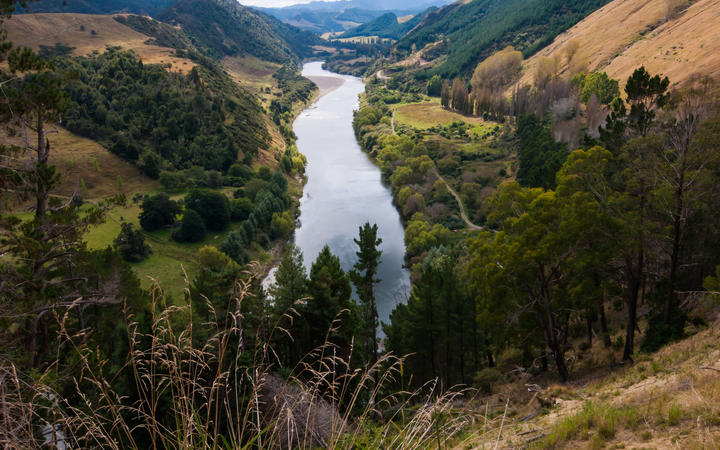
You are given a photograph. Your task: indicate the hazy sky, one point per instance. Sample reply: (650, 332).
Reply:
(274, 3)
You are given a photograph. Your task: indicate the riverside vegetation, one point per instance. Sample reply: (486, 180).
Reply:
(560, 234)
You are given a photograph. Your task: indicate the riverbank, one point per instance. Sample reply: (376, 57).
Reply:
(325, 84)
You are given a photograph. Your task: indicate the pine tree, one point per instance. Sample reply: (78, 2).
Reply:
(364, 277)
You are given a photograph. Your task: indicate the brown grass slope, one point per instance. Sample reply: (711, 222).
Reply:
(678, 40)
(76, 30)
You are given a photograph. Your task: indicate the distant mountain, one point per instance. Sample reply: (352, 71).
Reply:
(388, 26)
(226, 28)
(144, 7)
(468, 32)
(333, 16)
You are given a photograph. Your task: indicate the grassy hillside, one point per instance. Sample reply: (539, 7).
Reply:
(225, 28)
(87, 33)
(471, 31)
(678, 42)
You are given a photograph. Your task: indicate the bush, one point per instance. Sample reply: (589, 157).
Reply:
(213, 207)
(130, 244)
(659, 333)
(192, 228)
(234, 247)
(157, 212)
(486, 378)
(510, 359)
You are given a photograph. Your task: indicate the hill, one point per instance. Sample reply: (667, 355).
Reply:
(329, 17)
(388, 26)
(145, 7)
(677, 43)
(83, 34)
(225, 28)
(468, 32)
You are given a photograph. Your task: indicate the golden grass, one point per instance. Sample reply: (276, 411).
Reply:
(429, 114)
(83, 161)
(626, 34)
(34, 30)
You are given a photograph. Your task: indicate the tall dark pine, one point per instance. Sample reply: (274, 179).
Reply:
(364, 276)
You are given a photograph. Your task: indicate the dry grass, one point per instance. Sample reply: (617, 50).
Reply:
(34, 30)
(83, 161)
(626, 34)
(186, 389)
(427, 115)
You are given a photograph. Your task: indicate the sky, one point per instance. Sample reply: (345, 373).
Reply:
(274, 3)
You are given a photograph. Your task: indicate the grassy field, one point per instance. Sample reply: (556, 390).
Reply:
(430, 113)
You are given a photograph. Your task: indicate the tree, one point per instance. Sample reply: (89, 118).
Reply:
(329, 290)
(212, 206)
(460, 100)
(33, 102)
(540, 156)
(364, 277)
(599, 84)
(497, 71)
(445, 95)
(645, 94)
(158, 211)
(130, 244)
(192, 228)
(288, 290)
(434, 86)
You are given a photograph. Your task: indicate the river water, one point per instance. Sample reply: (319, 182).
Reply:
(344, 190)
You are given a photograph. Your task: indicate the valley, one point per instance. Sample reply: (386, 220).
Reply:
(360, 224)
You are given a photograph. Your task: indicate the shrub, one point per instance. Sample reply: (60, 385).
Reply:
(192, 228)
(234, 247)
(130, 244)
(486, 378)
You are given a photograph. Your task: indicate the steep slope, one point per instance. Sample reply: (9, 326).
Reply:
(388, 26)
(145, 7)
(643, 32)
(225, 28)
(472, 30)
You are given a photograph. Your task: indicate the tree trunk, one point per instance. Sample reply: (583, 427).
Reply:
(589, 323)
(603, 321)
(41, 193)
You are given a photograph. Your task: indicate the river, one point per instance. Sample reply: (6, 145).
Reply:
(344, 190)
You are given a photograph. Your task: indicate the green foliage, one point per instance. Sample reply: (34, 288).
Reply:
(213, 207)
(437, 327)
(604, 88)
(329, 290)
(130, 244)
(192, 228)
(158, 211)
(539, 155)
(135, 109)
(240, 209)
(364, 277)
(434, 86)
(486, 378)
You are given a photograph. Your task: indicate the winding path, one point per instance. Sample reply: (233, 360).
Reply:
(463, 215)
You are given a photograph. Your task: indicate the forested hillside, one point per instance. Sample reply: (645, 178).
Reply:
(388, 26)
(225, 28)
(471, 31)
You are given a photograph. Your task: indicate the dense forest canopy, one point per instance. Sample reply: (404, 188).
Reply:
(159, 119)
